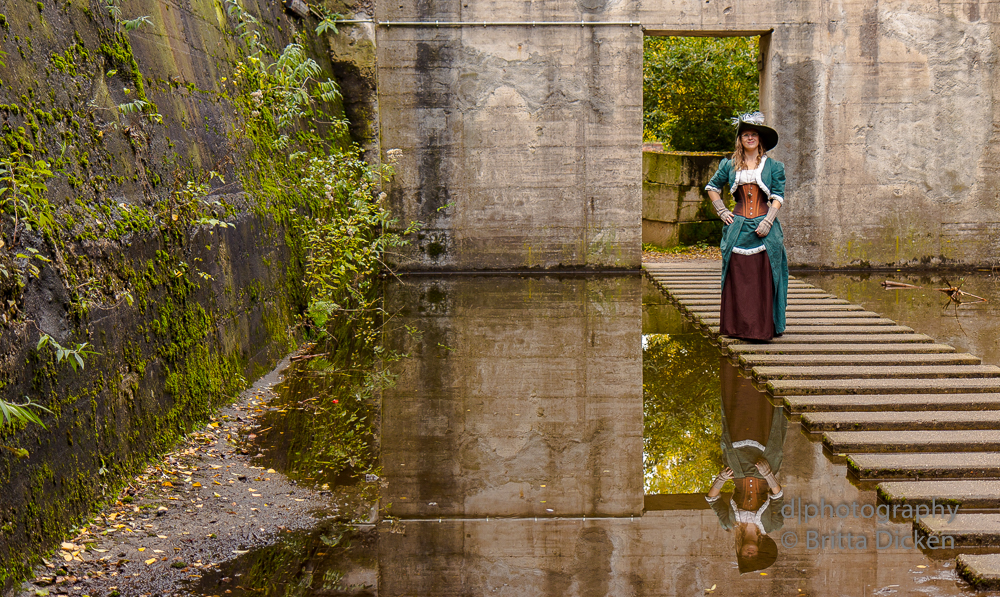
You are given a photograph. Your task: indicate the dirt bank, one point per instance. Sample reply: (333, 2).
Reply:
(201, 505)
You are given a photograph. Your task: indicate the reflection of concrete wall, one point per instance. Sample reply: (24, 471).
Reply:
(675, 205)
(522, 396)
(886, 112)
(676, 553)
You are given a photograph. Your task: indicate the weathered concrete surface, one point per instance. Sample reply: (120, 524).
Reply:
(896, 402)
(845, 349)
(980, 571)
(522, 397)
(900, 421)
(874, 371)
(520, 144)
(836, 339)
(675, 206)
(797, 332)
(954, 465)
(968, 494)
(983, 440)
(878, 105)
(884, 386)
(799, 360)
(966, 530)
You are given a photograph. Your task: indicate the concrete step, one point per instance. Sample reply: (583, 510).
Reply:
(844, 442)
(874, 372)
(954, 465)
(798, 303)
(965, 530)
(843, 311)
(835, 348)
(968, 494)
(801, 387)
(892, 402)
(982, 571)
(818, 360)
(900, 421)
(801, 333)
(821, 323)
(805, 293)
(835, 339)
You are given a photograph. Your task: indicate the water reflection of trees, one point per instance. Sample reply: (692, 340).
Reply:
(682, 425)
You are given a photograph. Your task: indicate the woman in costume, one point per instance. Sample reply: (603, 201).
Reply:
(754, 263)
(753, 435)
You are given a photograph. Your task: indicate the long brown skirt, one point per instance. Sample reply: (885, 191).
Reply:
(747, 309)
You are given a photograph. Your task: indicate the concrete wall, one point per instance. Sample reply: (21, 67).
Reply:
(676, 208)
(886, 111)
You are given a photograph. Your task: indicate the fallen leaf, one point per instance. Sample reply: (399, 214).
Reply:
(142, 549)
(161, 537)
(196, 484)
(271, 470)
(168, 484)
(157, 551)
(150, 561)
(68, 546)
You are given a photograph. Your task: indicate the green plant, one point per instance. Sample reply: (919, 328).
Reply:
(21, 412)
(22, 194)
(74, 356)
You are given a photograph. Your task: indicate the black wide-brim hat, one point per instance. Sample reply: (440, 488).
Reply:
(755, 122)
(767, 553)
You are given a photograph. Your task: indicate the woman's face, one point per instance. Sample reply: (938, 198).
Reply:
(750, 139)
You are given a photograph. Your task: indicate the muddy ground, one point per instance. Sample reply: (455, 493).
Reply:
(182, 527)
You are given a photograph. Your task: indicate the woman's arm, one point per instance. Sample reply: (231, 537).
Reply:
(720, 480)
(720, 207)
(714, 188)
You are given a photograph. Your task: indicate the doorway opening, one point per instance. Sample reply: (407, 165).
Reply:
(693, 85)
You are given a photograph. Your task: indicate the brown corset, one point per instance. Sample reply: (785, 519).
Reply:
(750, 493)
(751, 201)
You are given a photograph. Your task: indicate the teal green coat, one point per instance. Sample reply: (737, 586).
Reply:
(772, 179)
(772, 182)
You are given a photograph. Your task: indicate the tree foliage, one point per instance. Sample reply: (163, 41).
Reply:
(682, 421)
(692, 86)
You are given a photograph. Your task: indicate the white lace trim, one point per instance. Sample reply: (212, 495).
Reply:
(713, 188)
(748, 252)
(751, 176)
(778, 198)
(743, 443)
(745, 516)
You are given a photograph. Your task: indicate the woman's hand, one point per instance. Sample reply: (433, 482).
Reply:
(763, 467)
(726, 474)
(763, 228)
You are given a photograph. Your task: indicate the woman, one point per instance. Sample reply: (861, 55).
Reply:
(754, 263)
(753, 437)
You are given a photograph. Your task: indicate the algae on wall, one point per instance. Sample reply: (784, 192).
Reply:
(167, 229)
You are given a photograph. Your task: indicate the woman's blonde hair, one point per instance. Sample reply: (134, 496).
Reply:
(740, 157)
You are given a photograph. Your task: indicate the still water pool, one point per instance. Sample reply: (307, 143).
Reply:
(557, 435)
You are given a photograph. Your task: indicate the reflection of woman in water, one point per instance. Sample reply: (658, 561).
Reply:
(753, 433)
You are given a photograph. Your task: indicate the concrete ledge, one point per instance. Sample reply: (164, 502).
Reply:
(884, 386)
(893, 402)
(838, 348)
(859, 359)
(966, 530)
(980, 571)
(835, 339)
(900, 421)
(953, 465)
(843, 442)
(894, 371)
(967, 494)
(828, 330)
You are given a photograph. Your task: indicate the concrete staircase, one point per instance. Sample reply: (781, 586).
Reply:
(918, 416)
